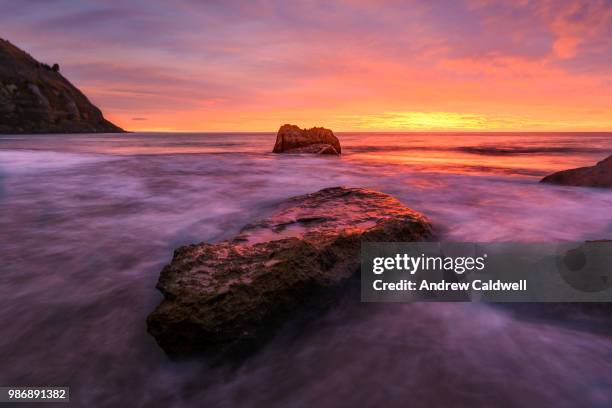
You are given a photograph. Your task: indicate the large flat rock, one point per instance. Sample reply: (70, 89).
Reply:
(599, 175)
(230, 296)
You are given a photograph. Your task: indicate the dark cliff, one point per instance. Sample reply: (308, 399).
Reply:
(36, 98)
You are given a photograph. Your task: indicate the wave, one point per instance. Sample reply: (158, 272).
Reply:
(480, 150)
(503, 151)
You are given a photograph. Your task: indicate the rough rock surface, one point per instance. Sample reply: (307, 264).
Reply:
(36, 98)
(228, 297)
(599, 175)
(292, 139)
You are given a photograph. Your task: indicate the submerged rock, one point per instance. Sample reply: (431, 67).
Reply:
(36, 98)
(292, 139)
(227, 298)
(599, 175)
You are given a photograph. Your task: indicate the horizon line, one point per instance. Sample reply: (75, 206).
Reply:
(371, 131)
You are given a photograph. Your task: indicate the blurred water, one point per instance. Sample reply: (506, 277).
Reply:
(87, 222)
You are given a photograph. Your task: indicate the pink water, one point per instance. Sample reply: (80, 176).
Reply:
(87, 222)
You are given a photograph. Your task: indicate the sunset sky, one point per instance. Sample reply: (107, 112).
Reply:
(348, 65)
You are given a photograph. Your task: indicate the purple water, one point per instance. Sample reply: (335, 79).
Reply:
(87, 222)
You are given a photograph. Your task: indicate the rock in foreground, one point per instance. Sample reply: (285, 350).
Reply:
(227, 298)
(599, 175)
(318, 140)
(36, 98)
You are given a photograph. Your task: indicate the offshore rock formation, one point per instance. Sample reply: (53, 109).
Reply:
(318, 140)
(228, 298)
(36, 98)
(599, 175)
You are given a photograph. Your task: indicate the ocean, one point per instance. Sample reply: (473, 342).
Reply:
(88, 221)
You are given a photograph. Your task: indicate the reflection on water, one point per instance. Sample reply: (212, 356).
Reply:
(88, 221)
